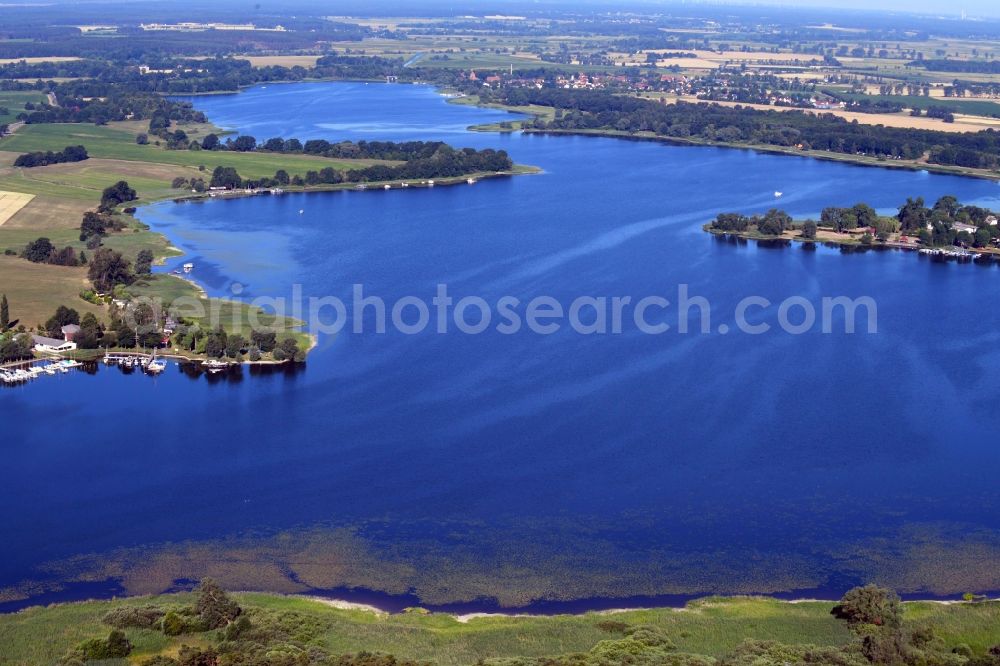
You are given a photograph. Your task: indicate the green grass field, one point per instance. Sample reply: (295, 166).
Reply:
(14, 102)
(117, 143)
(710, 627)
(36, 290)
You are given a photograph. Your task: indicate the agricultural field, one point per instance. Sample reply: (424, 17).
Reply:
(50, 201)
(965, 105)
(11, 203)
(307, 61)
(36, 290)
(14, 101)
(961, 124)
(33, 61)
(117, 141)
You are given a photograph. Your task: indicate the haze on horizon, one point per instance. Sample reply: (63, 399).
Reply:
(972, 8)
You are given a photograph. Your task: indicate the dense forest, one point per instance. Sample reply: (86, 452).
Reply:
(120, 104)
(594, 110)
(964, 66)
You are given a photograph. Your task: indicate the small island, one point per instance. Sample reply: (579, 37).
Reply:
(947, 229)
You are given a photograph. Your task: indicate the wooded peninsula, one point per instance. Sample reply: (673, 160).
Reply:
(948, 227)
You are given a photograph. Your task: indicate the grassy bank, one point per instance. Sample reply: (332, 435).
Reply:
(711, 627)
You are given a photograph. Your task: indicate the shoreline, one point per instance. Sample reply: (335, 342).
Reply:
(370, 186)
(861, 161)
(975, 256)
(465, 618)
(464, 613)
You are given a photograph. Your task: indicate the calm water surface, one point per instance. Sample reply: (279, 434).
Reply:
(825, 459)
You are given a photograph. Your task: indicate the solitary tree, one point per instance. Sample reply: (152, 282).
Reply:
(214, 605)
(872, 605)
(39, 250)
(93, 225)
(4, 314)
(144, 262)
(116, 194)
(210, 142)
(63, 317)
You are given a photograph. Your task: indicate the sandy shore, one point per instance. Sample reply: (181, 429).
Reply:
(465, 618)
(341, 604)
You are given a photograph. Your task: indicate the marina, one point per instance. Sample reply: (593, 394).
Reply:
(19, 375)
(958, 253)
(146, 362)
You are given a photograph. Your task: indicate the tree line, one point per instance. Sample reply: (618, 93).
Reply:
(81, 102)
(441, 161)
(963, 66)
(946, 223)
(355, 150)
(40, 158)
(597, 110)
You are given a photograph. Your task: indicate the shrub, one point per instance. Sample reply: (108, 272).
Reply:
(613, 626)
(870, 604)
(214, 605)
(160, 660)
(115, 646)
(962, 650)
(175, 623)
(809, 229)
(767, 653)
(143, 617)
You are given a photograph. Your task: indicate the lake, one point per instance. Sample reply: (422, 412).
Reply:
(531, 469)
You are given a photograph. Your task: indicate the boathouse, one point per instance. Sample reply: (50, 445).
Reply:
(51, 345)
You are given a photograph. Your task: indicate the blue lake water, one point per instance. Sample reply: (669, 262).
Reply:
(634, 464)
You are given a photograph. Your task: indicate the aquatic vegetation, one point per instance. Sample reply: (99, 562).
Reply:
(517, 565)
